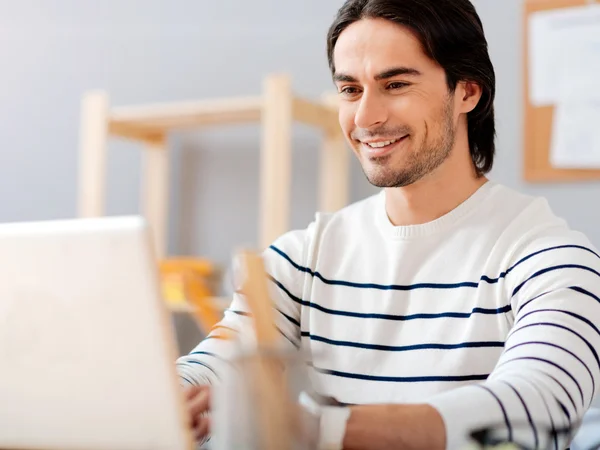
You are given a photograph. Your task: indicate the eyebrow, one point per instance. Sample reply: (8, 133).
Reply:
(389, 73)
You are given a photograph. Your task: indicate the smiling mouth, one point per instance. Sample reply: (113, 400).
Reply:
(383, 143)
(382, 148)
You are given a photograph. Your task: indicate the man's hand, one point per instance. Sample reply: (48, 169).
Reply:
(198, 403)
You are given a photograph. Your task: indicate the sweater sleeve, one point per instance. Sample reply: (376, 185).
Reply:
(204, 363)
(549, 371)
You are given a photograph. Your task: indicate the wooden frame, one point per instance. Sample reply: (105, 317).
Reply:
(273, 408)
(538, 121)
(276, 110)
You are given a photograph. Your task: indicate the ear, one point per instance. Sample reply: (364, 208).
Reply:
(470, 94)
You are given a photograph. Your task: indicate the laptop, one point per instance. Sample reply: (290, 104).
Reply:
(87, 349)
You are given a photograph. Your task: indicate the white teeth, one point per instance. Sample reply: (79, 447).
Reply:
(381, 144)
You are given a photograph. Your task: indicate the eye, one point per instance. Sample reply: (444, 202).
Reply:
(349, 90)
(396, 85)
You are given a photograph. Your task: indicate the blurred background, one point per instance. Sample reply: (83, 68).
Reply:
(157, 51)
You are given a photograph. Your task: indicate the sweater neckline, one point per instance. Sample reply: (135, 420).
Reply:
(435, 226)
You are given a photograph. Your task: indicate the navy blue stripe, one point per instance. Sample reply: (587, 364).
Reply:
(590, 346)
(291, 319)
(569, 313)
(186, 379)
(209, 354)
(565, 350)
(288, 293)
(549, 324)
(383, 287)
(245, 314)
(471, 284)
(239, 313)
(491, 280)
(396, 287)
(551, 269)
(296, 266)
(549, 249)
(422, 379)
(534, 358)
(200, 364)
(389, 348)
(583, 291)
(534, 298)
(535, 433)
(289, 339)
(458, 315)
(563, 407)
(573, 288)
(506, 421)
(552, 425)
(205, 353)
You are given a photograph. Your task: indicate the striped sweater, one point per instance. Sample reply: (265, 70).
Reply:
(490, 313)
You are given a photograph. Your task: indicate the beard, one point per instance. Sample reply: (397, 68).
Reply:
(424, 159)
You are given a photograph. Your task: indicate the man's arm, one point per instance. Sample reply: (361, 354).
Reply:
(382, 427)
(203, 364)
(546, 378)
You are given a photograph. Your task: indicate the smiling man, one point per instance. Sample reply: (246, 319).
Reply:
(446, 303)
(384, 108)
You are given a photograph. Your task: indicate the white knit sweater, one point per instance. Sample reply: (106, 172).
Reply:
(490, 313)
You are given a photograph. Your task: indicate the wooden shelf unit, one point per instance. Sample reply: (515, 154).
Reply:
(275, 110)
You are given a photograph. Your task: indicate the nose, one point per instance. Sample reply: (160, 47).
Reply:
(371, 111)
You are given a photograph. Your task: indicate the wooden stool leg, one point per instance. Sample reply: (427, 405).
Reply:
(92, 154)
(334, 173)
(276, 159)
(334, 170)
(155, 192)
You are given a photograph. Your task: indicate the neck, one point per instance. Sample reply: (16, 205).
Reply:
(436, 194)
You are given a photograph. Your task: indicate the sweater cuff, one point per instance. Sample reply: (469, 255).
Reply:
(463, 411)
(333, 427)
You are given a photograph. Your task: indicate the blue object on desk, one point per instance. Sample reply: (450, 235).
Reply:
(589, 433)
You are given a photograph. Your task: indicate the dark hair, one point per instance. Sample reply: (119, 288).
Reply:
(451, 34)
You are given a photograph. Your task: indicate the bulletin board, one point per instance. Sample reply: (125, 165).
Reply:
(538, 120)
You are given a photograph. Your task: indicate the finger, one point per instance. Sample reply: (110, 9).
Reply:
(192, 391)
(199, 404)
(203, 428)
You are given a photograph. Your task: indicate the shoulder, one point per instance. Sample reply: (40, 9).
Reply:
(529, 221)
(545, 253)
(297, 245)
(520, 211)
(536, 227)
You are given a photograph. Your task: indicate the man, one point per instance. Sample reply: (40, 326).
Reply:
(446, 303)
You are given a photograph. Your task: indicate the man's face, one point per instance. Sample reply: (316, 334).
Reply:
(395, 107)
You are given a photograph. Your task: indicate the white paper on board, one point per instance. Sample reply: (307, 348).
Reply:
(555, 37)
(575, 140)
(576, 136)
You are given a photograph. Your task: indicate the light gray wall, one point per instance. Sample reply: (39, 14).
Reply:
(154, 50)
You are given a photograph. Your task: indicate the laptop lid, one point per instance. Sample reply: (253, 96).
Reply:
(87, 351)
